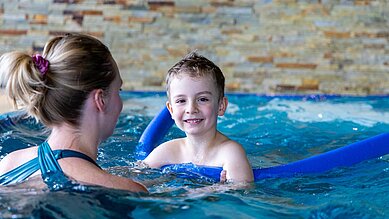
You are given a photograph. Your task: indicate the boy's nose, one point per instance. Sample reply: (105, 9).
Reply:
(192, 108)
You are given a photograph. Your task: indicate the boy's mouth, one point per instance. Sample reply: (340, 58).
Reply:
(193, 121)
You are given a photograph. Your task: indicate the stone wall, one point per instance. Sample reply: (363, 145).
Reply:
(262, 46)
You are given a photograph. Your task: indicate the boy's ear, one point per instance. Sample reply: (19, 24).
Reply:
(222, 106)
(99, 99)
(169, 107)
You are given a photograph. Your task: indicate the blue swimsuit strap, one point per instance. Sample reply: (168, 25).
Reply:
(20, 173)
(59, 154)
(47, 161)
(25, 170)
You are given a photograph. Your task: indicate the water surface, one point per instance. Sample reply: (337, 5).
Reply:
(273, 131)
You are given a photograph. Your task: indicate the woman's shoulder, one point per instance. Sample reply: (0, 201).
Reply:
(85, 172)
(117, 182)
(128, 184)
(17, 158)
(30, 151)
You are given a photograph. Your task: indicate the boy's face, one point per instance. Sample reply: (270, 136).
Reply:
(194, 104)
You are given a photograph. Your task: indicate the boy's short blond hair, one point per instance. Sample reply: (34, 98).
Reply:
(195, 66)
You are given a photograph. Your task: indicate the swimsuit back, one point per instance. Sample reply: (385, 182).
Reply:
(46, 162)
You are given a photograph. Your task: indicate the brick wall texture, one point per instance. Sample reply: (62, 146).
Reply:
(262, 46)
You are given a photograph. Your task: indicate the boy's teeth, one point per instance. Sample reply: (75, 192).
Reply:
(193, 120)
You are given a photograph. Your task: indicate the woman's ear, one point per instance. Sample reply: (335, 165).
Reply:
(222, 106)
(99, 101)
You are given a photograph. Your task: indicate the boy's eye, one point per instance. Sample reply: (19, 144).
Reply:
(180, 101)
(203, 99)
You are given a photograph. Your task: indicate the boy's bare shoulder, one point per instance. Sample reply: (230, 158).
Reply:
(231, 148)
(229, 144)
(172, 145)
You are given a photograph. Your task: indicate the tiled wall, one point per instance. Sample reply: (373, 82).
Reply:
(262, 46)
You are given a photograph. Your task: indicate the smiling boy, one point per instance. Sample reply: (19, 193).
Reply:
(195, 89)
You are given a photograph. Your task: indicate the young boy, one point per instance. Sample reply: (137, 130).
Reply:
(195, 89)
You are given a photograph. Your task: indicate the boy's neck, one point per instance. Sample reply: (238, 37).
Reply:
(202, 143)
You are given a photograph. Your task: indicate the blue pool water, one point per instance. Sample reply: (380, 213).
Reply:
(273, 130)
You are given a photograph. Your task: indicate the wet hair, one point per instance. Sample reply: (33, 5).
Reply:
(195, 66)
(78, 64)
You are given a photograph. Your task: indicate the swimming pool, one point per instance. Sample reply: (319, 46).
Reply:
(273, 130)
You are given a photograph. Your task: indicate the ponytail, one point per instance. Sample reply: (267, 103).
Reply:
(53, 87)
(23, 82)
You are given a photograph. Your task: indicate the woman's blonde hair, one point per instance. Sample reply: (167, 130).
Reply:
(78, 64)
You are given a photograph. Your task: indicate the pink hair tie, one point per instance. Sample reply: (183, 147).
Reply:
(41, 63)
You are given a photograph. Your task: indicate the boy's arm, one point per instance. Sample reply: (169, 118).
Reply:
(153, 160)
(237, 165)
(161, 155)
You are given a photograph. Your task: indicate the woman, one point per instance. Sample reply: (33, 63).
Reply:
(73, 89)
